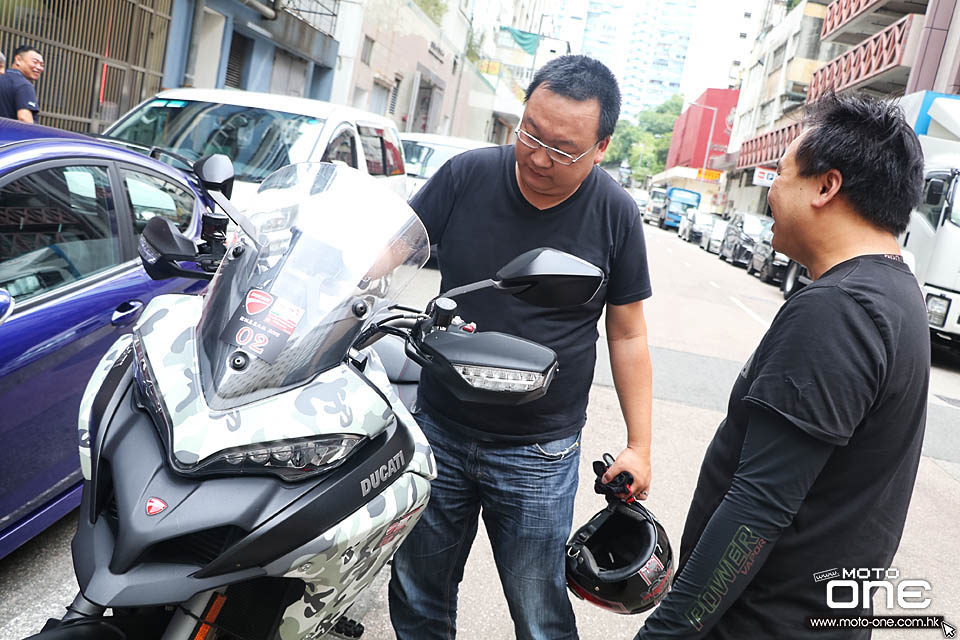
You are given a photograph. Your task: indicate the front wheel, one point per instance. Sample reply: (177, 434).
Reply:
(791, 280)
(766, 274)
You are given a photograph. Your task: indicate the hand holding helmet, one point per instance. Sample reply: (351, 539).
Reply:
(621, 560)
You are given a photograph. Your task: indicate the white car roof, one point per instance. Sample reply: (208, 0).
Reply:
(275, 102)
(450, 141)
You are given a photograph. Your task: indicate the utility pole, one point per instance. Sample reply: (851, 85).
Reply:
(706, 156)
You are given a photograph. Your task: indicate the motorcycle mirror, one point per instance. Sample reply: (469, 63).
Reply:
(215, 173)
(6, 305)
(161, 245)
(543, 277)
(550, 278)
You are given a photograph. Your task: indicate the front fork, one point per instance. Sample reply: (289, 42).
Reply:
(194, 618)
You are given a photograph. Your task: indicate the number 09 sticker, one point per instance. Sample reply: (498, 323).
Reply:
(262, 324)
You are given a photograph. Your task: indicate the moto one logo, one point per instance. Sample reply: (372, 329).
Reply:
(384, 473)
(853, 591)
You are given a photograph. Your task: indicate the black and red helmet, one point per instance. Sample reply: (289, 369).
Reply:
(621, 560)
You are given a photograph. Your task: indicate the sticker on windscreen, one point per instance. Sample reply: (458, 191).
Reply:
(262, 324)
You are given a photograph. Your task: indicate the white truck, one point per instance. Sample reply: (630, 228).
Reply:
(932, 238)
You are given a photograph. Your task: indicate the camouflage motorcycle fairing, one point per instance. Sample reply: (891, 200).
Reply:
(90, 393)
(338, 401)
(423, 461)
(342, 562)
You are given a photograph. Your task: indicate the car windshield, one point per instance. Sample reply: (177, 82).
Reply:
(704, 218)
(423, 159)
(293, 305)
(658, 196)
(754, 225)
(258, 141)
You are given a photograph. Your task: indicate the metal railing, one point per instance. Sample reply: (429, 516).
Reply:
(840, 12)
(101, 56)
(767, 148)
(872, 57)
(320, 14)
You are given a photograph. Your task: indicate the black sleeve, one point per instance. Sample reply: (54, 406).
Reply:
(778, 465)
(26, 97)
(629, 276)
(822, 364)
(434, 202)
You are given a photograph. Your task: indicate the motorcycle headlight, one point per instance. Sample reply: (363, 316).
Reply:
(937, 307)
(293, 459)
(496, 379)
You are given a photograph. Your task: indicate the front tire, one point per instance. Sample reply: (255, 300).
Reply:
(766, 274)
(791, 280)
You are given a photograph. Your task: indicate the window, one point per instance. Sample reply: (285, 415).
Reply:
(747, 14)
(381, 150)
(367, 51)
(743, 36)
(343, 147)
(56, 226)
(932, 211)
(393, 96)
(379, 96)
(777, 59)
(150, 196)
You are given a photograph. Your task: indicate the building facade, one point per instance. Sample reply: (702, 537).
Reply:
(287, 48)
(777, 75)
(701, 132)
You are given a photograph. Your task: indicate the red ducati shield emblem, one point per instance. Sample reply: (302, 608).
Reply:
(155, 506)
(257, 301)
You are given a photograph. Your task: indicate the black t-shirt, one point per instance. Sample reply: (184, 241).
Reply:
(16, 92)
(847, 361)
(475, 213)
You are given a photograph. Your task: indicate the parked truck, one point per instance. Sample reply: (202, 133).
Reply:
(677, 202)
(931, 243)
(932, 238)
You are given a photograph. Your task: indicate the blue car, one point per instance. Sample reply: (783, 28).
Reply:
(71, 208)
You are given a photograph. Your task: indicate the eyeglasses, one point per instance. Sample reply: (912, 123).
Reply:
(555, 155)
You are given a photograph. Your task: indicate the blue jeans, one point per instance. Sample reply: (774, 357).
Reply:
(526, 495)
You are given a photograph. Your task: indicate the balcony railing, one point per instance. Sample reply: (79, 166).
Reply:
(852, 21)
(319, 14)
(881, 63)
(767, 148)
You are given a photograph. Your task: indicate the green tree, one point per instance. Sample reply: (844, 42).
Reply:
(624, 136)
(435, 9)
(645, 144)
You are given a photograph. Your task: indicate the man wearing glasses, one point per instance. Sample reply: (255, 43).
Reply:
(518, 465)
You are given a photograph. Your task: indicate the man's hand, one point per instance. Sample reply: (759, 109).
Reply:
(636, 461)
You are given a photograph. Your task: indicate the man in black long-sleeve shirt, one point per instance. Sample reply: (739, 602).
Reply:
(813, 467)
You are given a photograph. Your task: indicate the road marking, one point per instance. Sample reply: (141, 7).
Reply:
(746, 310)
(933, 399)
(714, 284)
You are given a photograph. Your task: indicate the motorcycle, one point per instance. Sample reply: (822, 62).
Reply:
(248, 465)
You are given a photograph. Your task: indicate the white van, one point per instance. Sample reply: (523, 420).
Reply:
(261, 132)
(424, 153)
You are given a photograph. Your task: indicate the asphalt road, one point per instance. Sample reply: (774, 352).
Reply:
(704, 320)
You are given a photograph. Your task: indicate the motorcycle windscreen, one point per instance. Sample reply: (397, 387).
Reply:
(334, 247)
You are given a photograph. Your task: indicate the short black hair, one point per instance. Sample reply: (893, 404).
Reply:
(581, 78)
(24, 48)
(878, 154)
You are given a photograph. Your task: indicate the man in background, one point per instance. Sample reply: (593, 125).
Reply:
(18, 97)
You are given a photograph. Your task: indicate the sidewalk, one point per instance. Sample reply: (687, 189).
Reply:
(681, 434)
